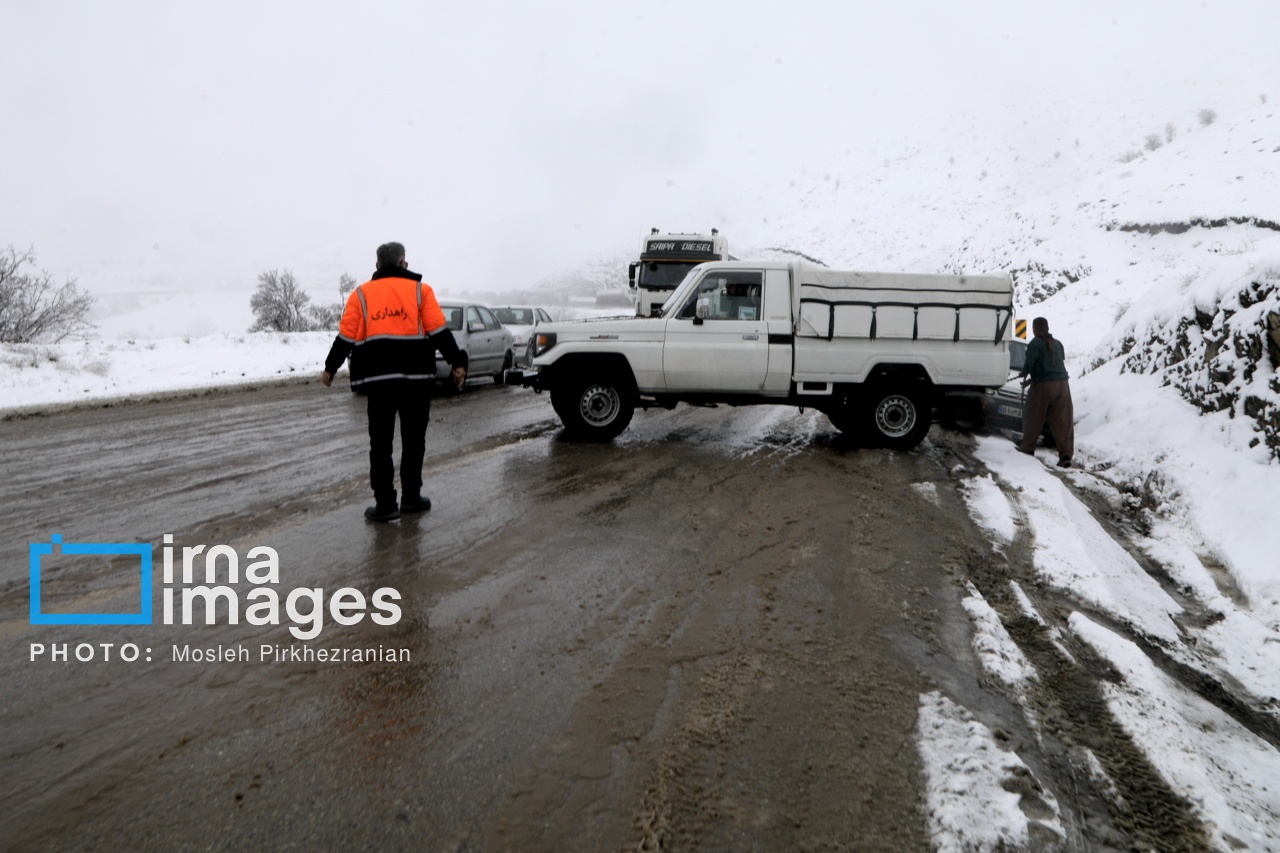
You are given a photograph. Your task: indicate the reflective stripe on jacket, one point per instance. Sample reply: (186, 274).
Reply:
(391, 327)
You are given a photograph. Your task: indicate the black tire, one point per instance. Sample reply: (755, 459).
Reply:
(507, 362)
(847, 419)
(898, 418)
(561, 403)
(596, 407)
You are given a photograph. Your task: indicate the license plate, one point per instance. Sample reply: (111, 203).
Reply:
(1011, 411)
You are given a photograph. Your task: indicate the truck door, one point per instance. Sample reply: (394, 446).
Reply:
(729, 349)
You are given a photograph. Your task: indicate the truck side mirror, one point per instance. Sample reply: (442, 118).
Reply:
(631, 275)
(701, 310)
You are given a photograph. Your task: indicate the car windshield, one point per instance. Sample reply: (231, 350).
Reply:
(656, 276)
(452, 317)
(1017, 355)
(515, 316)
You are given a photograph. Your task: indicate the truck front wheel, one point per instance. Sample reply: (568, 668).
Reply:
(899, 419)
(594, 408)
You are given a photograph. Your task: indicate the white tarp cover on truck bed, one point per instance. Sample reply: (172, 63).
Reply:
(834, 304)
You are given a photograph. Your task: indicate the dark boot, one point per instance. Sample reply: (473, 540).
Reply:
(382, 512)
(415, 503)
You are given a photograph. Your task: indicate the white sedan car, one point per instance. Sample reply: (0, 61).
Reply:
(481, 337)
(522, 320)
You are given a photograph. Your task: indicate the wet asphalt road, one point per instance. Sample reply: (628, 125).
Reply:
(709, 634)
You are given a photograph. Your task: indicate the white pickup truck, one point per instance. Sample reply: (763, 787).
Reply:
(877, 352)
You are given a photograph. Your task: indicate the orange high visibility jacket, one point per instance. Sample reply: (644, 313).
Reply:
(391, 328)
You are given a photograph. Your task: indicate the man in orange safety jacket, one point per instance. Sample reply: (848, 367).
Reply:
(391, 329)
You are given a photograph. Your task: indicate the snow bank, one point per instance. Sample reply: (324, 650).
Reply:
(1179, 463)
(1225, 772)
(990, 508)
(78, 372)
(1074, 553)
(971, 785)
(999, 654)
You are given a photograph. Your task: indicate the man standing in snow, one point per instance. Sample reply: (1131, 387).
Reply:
(391, 328)
(1049, 397)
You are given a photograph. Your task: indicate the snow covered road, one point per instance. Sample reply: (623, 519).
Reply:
(729, 628)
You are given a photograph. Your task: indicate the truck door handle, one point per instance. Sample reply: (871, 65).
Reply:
(751, 337)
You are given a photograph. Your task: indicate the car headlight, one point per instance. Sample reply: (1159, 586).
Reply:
(542, 342)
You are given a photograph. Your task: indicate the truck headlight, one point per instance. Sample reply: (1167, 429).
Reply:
(542, 342)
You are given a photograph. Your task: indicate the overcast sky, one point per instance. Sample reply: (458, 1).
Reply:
(192, 145)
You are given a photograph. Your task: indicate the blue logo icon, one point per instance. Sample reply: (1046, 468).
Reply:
(100, 548)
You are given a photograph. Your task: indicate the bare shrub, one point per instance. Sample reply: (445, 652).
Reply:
(1207, 117)
(32, 308)
(1129, 156)
(98, 367)
(1153, 142)
(1247, 246)
(330, 316)
(1170, 131)
(279, 304)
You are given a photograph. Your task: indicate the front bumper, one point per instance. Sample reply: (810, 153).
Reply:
(1003, 410)
(524, 378)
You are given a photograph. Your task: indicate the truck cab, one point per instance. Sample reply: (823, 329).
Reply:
(665, 259)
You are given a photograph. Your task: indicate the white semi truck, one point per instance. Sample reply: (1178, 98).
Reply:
(665, 259)
(877, 352)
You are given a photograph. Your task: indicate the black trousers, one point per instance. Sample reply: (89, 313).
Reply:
(411, 400)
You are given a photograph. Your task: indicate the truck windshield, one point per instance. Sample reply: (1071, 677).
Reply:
(676, 297)
(664, 276)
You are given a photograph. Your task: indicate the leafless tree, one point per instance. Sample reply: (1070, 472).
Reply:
(279, 304)
(346, 284)
(33, 308)
(330, 316)
(1207, 117)
(1170, 131)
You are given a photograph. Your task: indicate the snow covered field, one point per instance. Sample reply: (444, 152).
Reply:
(41, 376)
(1160, 275)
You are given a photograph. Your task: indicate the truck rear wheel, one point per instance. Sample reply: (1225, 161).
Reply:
(899, 418)
(847, 419)
(594, 408)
